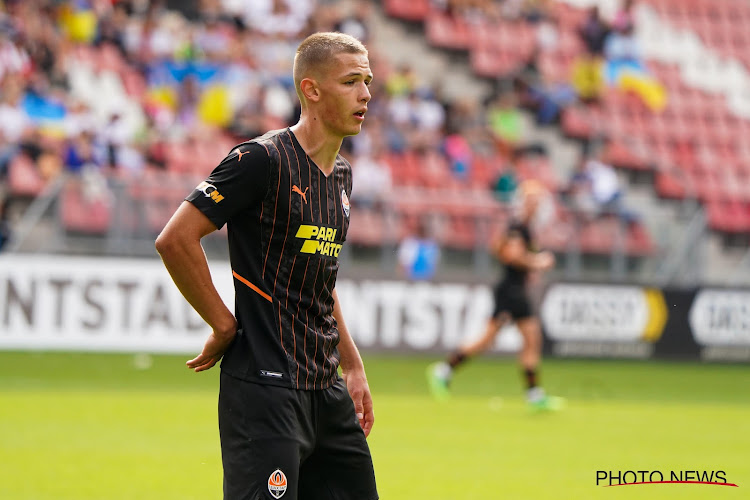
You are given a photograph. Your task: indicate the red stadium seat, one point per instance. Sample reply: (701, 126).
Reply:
(446, 31)
(577, 124)
(81, 215)
(619, 155)
(24, 178)
(411, 10)
(728, 217)
(670, 185)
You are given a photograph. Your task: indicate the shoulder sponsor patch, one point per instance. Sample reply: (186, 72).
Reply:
(210, 191)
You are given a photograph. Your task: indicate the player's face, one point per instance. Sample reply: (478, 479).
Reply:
(345, 94)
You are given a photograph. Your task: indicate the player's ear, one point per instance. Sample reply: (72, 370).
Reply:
(309, 88)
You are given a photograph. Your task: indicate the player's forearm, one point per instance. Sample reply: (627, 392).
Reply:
(350, 358)
(189, 269)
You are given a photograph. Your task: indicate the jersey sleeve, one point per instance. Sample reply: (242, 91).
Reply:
(237, 183)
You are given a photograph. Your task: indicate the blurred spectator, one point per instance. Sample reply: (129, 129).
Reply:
(546, 99)
(594, 190)
(587, 77)
(506, 123)
(79, 153)
(14, 59)
(625, 68)
(459, 153)
(14, 120)
(371, 181)
(624, 20)
(401, 82)
(588, 67)
(506, 184)
(593, 32)
(419, 254)
(278, 17)
(357, 22)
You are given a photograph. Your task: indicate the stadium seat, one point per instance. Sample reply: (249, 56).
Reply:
(447, 32)
(24, 179)
(618, 154)
(78, 214)
(728, 217)
(411, 10)
(577, 124)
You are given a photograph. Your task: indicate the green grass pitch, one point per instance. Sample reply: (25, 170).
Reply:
(108, 427)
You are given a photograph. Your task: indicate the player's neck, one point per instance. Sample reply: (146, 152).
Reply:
(319, 144)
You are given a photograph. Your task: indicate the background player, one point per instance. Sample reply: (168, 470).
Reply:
(287, 424)
(517, 251)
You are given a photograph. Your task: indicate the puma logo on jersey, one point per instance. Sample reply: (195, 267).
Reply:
(297, 190)
(239, 154)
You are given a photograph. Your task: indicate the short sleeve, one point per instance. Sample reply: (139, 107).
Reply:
(239, 182)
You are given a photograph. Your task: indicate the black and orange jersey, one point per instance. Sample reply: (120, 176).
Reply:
(286, 223)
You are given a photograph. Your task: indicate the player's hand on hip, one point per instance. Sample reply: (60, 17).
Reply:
(214, 348)
(359, 390)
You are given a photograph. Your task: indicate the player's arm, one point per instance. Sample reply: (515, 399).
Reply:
(512, 251)
(180, 249)
(353, 371)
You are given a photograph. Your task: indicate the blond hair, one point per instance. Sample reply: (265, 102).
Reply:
(318, 50)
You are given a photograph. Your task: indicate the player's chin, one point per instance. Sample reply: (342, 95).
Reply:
(353, 130)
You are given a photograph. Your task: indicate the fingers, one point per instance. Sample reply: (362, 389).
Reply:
(202, 362)
(369, 416)
(206, 366)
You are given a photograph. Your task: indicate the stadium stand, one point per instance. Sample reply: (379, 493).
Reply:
(141, 95)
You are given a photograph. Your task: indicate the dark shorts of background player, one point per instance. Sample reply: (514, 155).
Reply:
(313, 437)
(511, 299)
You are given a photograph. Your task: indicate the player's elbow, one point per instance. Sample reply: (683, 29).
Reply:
(166, 243)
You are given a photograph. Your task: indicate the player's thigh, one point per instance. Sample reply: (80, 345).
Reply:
(264, 469)
(264, 432)
(341, 466)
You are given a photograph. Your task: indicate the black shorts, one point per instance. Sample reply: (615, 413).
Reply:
(280, 443)
(511, 299)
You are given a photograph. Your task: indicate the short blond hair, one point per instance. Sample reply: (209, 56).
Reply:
(319, 49)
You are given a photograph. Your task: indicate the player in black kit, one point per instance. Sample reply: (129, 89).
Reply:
(289, 425)
(519, 256)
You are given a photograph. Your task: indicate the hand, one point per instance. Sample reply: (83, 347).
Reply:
(215, 347)
(545, 260)
(359, 390)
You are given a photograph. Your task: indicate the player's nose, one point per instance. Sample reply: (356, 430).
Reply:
(366, 96)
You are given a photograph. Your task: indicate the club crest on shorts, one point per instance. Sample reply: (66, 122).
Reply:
(345, 202)
(277, 484)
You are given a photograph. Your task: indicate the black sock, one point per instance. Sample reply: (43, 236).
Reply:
(530, 376)
(456, 359)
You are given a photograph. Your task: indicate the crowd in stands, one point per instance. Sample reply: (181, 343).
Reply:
(118, 88)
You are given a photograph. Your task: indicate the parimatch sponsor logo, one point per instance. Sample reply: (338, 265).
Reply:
(319, 240)
(635, 477)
